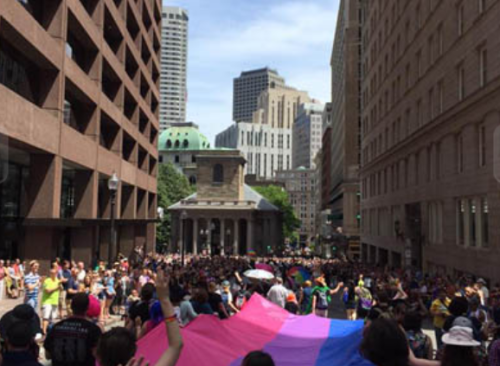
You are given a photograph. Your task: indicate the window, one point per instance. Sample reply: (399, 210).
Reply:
(460, 19)
(460, 221)
(419, 113)
(482, 6)
(435, 220)
(430, 46)
(177, 158)
(440, 40)
(482, 146)
(461, 82)
(438, 160)
(472, 222)
(431, 104)
(218, 173)
(460, 155)
(408, 83)
(440, 97)
(419, 16)
(484, 222)
(483, 66)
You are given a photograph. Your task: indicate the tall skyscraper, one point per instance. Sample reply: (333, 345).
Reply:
(266, 141)
(80, 104)
(174, 51)
(247, 89)
(307, 134)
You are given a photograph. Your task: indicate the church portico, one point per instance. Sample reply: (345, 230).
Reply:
(224, 217)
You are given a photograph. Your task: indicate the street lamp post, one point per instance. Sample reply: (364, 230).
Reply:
(113, 183)
(183, 248)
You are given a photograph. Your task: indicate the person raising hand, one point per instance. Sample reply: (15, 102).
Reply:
(118, 347)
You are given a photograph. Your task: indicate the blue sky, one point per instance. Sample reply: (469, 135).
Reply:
(229, 36)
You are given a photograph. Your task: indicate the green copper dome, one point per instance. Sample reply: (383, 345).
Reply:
(185, 136)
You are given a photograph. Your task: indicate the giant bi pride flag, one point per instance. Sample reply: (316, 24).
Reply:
(292, 340)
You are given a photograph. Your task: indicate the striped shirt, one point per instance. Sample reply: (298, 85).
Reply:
(31, 279)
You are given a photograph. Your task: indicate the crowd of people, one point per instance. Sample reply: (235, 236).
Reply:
(77, 301)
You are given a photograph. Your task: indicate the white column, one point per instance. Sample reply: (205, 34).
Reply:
(222, 236)
(195, 236)
(236, 235)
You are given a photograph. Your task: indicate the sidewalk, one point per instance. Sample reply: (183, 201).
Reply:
(9, 304)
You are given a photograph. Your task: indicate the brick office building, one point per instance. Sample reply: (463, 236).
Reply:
(79, 91)
(430, 96)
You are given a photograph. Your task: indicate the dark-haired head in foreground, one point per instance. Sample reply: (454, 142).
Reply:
(257, 358)
(384, 344)
(116, 347)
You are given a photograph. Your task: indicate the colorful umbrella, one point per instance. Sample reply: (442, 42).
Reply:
(300, 274)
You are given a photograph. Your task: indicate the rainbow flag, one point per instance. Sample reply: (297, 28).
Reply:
(291, 340)
(252, 253)
(299, 273)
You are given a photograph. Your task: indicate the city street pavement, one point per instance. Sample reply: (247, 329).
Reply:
(9, 304)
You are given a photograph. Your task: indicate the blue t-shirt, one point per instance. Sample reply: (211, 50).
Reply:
(110, 285)
(31, 279)
(66, 274)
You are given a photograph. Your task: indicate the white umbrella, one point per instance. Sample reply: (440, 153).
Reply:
(258, 274)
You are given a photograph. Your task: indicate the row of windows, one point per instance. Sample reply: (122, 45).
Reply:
(258, 163)
(435, 48)
(422, 114)
(426, 165)
(254, 138)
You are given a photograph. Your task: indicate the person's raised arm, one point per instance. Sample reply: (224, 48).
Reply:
(175, 344)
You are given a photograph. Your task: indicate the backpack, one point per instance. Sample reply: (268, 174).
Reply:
(418, 344)
(322, 300)
(365, 299)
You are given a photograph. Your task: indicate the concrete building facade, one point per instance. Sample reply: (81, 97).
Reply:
(247, 88)
(345, 122)
(265, 148)
(79, 85)
(430, 107)
(301, 187)
(225, 216)
(307, 135)
(174, 54)
(278, 107)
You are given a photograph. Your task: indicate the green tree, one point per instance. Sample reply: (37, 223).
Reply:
(172, 187)
(279, 197)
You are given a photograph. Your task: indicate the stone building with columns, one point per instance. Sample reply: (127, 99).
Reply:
(225, 216)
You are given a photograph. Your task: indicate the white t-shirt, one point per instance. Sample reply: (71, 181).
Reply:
(277, 295)
(486, 295)
(81, 275)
